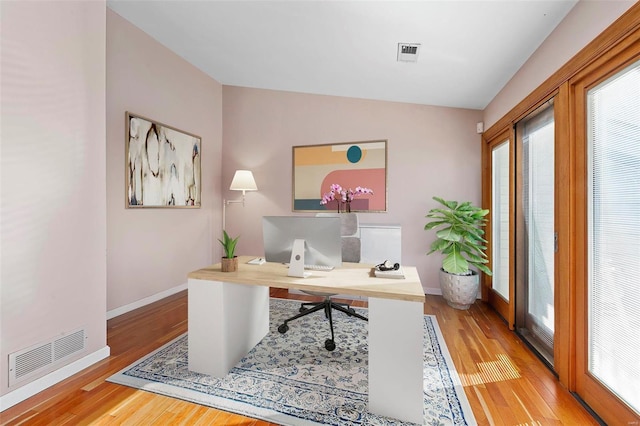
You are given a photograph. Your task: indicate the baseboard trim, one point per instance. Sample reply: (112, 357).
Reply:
(30, 389)
(143, 302)
(438, 292)
(432, 291)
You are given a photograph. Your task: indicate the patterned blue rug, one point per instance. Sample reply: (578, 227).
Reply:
(291, 379)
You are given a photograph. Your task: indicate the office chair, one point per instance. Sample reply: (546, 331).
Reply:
(350, 253)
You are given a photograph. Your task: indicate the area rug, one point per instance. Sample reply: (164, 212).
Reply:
(291, 379)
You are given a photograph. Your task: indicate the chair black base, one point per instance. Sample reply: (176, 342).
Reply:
(327, 305)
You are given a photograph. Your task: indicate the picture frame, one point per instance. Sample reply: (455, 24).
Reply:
(162, 165)
(348, 164)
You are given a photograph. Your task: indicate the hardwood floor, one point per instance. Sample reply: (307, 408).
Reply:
(504, 382)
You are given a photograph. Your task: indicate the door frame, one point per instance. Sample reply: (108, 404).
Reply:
(503, 307)
(597, 396)
(521, 248)
(564, 342)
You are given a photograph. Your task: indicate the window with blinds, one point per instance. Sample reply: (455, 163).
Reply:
(613, 110)
(500, 219)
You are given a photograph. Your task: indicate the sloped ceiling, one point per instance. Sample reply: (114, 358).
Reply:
(468, 49)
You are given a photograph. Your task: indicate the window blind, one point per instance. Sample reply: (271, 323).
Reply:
(500, 219)
(613, 110)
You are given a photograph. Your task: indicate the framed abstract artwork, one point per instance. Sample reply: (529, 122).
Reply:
(351, 165)
(163, 165)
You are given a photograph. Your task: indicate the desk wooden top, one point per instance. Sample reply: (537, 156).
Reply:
(354, 279)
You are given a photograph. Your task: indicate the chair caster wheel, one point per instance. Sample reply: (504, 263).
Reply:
(283, 328)
(302, 309)
(329, 345)
(351, 311)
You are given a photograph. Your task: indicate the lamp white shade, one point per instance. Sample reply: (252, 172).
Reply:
(243, 181)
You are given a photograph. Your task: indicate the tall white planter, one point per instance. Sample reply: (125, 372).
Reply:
(460, 291)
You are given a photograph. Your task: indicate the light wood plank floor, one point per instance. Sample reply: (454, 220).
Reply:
(504, 382)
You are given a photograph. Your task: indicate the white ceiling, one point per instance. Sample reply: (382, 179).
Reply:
(469, 49)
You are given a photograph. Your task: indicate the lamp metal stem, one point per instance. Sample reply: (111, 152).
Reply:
(225, 203)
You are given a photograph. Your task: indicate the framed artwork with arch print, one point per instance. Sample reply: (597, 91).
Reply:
(350, 165)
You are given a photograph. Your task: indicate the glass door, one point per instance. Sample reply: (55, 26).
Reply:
(608, 325)
(498, 287)
(535, 252)
(500, 220)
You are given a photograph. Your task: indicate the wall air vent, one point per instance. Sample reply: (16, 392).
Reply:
(408, 52)
(36, 359)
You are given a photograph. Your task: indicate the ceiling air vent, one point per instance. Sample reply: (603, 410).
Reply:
(408, 52)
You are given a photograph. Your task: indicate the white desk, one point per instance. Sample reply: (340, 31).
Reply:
(229, 315)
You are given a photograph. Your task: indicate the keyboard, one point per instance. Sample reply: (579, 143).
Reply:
(318, 267)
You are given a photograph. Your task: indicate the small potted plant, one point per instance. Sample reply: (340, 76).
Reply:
(229, 260)
(460, 239)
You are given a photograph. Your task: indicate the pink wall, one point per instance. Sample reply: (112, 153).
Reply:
(59, 219)
(582, 24)
(431, 151)
(53, 241)
(151, 250)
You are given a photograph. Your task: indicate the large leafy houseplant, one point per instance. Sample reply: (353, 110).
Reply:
(459, 236)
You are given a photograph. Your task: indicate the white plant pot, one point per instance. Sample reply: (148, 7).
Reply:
(460, 291)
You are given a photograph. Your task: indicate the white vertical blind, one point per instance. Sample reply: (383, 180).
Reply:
(500, 219)
(614, 234)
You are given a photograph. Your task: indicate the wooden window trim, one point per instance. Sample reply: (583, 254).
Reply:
(602, 400)
(503, 307)
(564, 286)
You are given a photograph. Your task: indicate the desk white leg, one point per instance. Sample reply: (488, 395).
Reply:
(225, 322)
(396, 343)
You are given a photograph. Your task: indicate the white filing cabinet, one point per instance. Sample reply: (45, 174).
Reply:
(380, 242)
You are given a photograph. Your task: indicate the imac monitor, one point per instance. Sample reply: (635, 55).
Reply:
(321, 236)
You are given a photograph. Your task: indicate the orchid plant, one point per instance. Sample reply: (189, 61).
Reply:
(344, 195)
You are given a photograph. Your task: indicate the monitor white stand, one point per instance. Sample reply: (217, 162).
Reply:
(296, 264)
